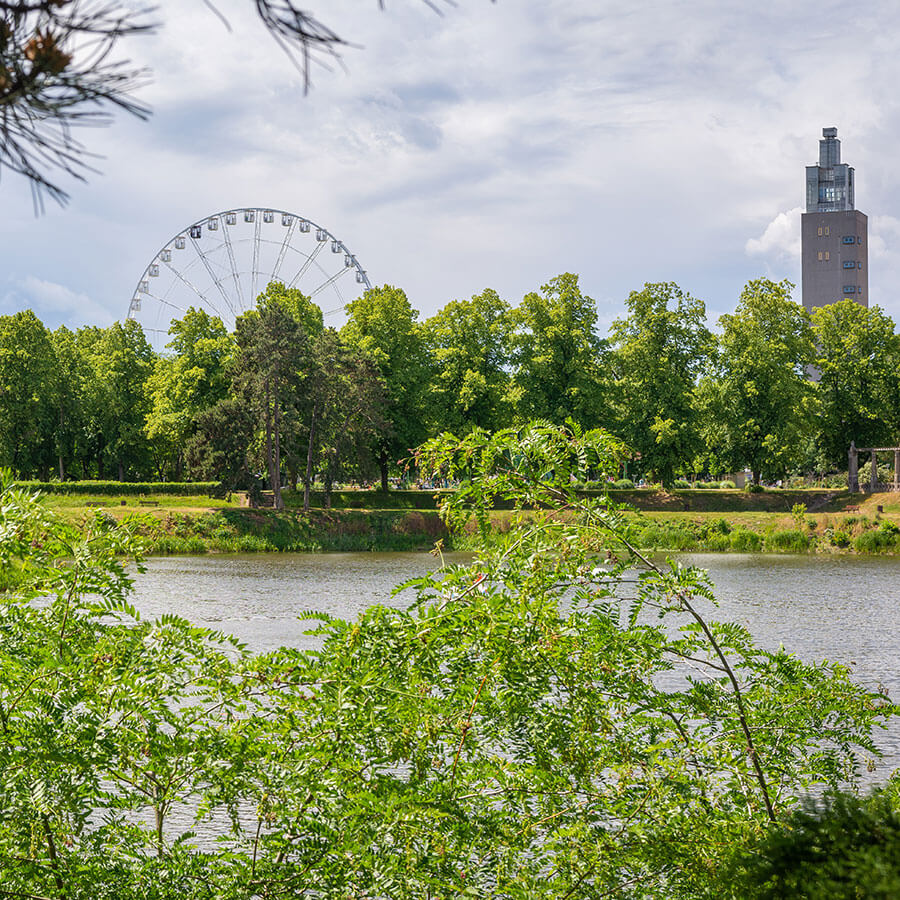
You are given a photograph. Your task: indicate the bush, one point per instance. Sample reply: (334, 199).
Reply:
(752, 488)
(727, 485)
(875, 541)
(841, 848)
(682, 484)
(623, 484)
(123, 488)
(837, 537)
(743, 540)
(788, 541)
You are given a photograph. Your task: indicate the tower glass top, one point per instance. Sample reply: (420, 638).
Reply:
(829, 185)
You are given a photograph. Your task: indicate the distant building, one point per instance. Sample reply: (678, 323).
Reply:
(834, 233)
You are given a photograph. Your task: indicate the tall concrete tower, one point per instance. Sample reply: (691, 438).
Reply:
(834, 234)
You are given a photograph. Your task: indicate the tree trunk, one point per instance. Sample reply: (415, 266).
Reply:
(270, 460)
(62, 465)
(329, 483)
(121, 470)
(383, 464)
(309, 456)
(756, 478)
(276, 485)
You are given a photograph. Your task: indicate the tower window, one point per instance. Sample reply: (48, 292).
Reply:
(848, 239)
(849, 288)
(827, 230)
(820, 256)
(820, 231)
(850, 264)
(827, 255)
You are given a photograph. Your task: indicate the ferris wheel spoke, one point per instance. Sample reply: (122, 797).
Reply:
(189, 286)
(329, 281)
(164, 302)
(284, 245)
(255, 269)
(216, 280)
(309, 261)
(239, 290)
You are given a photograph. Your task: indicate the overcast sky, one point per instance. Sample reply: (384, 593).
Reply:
(494, 146)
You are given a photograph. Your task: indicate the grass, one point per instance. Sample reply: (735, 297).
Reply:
(364, 520)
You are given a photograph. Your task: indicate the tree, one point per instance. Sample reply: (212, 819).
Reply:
(558, 360)
(116, 401)
(858, 361)
(271, 358)
(57, 72)
(28, 394)
(190, 381)
(469, 344)
(659, 351)
(72, 373)
(383, 326)
(219, 447)
(346, 401)
(766, 349)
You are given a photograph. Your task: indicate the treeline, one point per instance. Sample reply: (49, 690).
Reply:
(284, 399)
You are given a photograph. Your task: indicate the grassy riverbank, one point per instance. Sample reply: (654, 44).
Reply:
(696, 520)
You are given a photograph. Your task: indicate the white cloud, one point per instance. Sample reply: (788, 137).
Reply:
(54, 303)
(781, 238)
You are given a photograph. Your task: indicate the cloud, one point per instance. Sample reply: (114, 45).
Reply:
(781, 238)
(54, 303)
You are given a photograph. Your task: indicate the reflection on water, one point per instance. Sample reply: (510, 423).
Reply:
(839, 608)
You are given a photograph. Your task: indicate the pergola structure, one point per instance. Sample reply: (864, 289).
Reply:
(874, 484)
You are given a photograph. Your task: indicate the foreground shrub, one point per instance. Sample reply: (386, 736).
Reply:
(842, 847)
(523, 730)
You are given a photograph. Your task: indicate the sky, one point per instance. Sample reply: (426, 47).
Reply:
(493, 146)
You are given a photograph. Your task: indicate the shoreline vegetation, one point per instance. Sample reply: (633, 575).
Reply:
(175, 519)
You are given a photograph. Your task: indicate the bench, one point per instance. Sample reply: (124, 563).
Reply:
(148, 502)
(93, 503)
(851, 509)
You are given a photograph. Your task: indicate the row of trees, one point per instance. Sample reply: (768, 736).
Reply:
(774, 389)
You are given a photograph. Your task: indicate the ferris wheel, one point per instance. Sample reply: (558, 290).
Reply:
(221, 263)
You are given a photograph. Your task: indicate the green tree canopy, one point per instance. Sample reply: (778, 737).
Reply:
(558, 359)
(858, 361)
(383, 325)
(469, 344)
(190, 381)
(29, 394)
(766, 349)
(270, 361)
(116, 398)
(660, 349)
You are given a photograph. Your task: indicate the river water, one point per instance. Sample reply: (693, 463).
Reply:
(842, 608)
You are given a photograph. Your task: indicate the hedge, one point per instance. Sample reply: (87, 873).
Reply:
(123, 488)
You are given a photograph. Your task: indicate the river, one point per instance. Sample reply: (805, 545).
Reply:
(839, 608)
